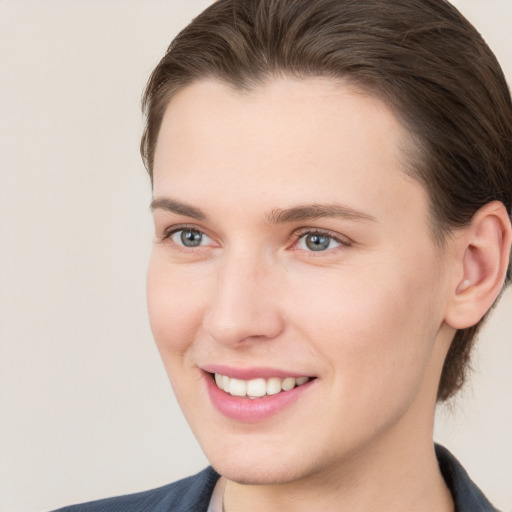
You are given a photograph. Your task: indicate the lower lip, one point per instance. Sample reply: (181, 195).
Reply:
(249, 410)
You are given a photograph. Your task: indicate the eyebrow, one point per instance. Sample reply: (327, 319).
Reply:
(299, 213)
(316, 211)
(171, 205)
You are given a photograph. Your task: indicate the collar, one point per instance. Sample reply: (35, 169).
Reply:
(466, 495)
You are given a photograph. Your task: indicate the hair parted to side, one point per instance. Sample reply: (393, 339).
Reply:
(421, 57)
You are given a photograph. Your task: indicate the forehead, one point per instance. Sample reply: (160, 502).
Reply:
(323, 111)
(286, 141)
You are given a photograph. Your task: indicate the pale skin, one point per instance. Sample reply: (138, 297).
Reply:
(370, 316)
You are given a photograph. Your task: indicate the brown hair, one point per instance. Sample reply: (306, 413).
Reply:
(422, 57)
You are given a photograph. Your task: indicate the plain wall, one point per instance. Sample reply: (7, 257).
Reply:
(85, 407)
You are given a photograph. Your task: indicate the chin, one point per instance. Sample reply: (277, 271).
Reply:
(271, 473)
(262, 463)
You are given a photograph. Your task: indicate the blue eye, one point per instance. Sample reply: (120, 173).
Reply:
(317, 242)
(189, 237)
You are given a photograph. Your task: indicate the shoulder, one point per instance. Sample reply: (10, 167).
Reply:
(466, 495)
(191, 494)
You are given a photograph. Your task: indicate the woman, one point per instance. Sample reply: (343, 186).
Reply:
(332, 194)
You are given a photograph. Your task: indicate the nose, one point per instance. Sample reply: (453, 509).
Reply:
(244, 305)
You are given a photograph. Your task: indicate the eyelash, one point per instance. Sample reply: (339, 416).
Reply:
(302, 233)
(297, 236)
(169, 232)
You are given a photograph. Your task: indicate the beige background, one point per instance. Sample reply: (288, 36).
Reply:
(85, 407)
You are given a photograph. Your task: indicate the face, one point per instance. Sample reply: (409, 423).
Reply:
(293, 267)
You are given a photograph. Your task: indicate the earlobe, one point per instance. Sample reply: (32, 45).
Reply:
(484, 250)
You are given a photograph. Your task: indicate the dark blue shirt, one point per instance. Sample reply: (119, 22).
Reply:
(193, 494)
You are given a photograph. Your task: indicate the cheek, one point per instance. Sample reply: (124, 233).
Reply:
(375, 324)
(174, 307)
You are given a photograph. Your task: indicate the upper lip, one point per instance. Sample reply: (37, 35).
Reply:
(252, 372)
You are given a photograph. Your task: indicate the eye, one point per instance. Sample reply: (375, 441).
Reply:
(317, 242)
(189, 238)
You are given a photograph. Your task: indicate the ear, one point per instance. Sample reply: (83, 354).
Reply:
(482, 257)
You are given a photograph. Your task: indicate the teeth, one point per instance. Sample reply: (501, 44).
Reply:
(289, 383)
(273, 386)
(237, 387)
(225, 383)
(257, 388)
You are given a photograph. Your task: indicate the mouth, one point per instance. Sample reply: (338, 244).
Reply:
(255, 394)
(259, 387)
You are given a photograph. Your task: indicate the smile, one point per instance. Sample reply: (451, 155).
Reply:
(257, 388)
(256, 394)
